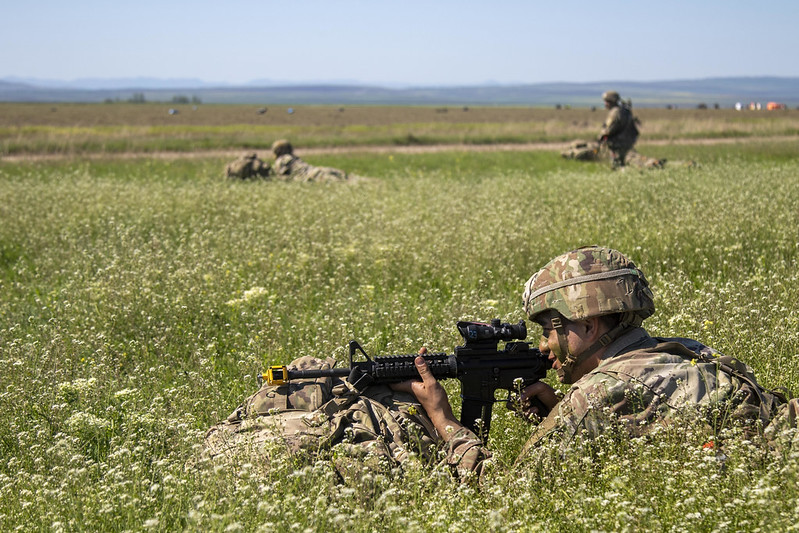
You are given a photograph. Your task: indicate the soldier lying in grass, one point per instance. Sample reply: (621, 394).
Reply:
(289, 167)
(590, 303)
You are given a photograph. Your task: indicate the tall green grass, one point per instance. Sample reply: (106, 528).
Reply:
(140, 298)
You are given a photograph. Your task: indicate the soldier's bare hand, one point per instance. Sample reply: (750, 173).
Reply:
(432, 396)
(538, 391)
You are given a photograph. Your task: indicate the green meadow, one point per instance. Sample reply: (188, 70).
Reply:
(70, 129)
(140, 298)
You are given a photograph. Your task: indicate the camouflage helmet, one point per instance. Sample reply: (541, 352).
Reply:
(281, 147)
(588, 282)
(611, 96)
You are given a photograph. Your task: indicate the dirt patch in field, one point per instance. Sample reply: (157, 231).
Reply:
(415, 149)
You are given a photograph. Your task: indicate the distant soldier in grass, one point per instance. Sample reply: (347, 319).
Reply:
(593, 151)
(590, 304)
(289, 167)
(634, 159)
(582, 151)
(620, 130)
(619, 135)
(247, 167)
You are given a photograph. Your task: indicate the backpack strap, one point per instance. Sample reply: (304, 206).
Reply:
(344, 395)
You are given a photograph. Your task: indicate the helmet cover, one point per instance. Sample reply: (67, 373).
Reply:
(588, 282)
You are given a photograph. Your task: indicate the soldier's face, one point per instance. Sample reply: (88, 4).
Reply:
(549, 343)
(579, 338)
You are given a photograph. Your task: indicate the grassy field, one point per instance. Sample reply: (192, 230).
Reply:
(139, 298)
(148, 128)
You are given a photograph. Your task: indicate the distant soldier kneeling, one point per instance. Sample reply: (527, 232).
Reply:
(620, 130)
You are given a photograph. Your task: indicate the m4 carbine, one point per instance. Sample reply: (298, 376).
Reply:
(479, 364)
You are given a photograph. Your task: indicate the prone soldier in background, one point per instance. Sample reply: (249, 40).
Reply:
(289, 167)
(247, 167)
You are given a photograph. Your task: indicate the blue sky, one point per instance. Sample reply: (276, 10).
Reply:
(399, 43)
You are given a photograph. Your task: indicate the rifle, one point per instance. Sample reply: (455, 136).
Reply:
(479, 364)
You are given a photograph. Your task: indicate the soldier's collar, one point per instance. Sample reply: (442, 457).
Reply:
(635, 338)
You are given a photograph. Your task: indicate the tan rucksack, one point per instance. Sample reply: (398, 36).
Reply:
(248, 167)
(377, 426)
(582, 151)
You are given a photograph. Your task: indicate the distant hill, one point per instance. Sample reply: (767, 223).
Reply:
(681, 93)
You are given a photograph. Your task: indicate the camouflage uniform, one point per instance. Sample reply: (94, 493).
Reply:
(582, 151)
(634, 159)
(592, 151)
(289, 167)
(640, 382)
(620, 131)
(246, 167)
(376, 429)
(643, 382)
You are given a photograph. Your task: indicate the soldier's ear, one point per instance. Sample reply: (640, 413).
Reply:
(593, 328)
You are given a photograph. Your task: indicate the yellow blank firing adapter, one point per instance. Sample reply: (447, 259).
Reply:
(276, 375)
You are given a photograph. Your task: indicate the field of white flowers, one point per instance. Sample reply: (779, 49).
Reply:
(139, 299)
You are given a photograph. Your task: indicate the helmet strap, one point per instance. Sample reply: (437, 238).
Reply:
(570, 361)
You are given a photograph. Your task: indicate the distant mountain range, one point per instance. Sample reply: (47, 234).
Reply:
(724, 92)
